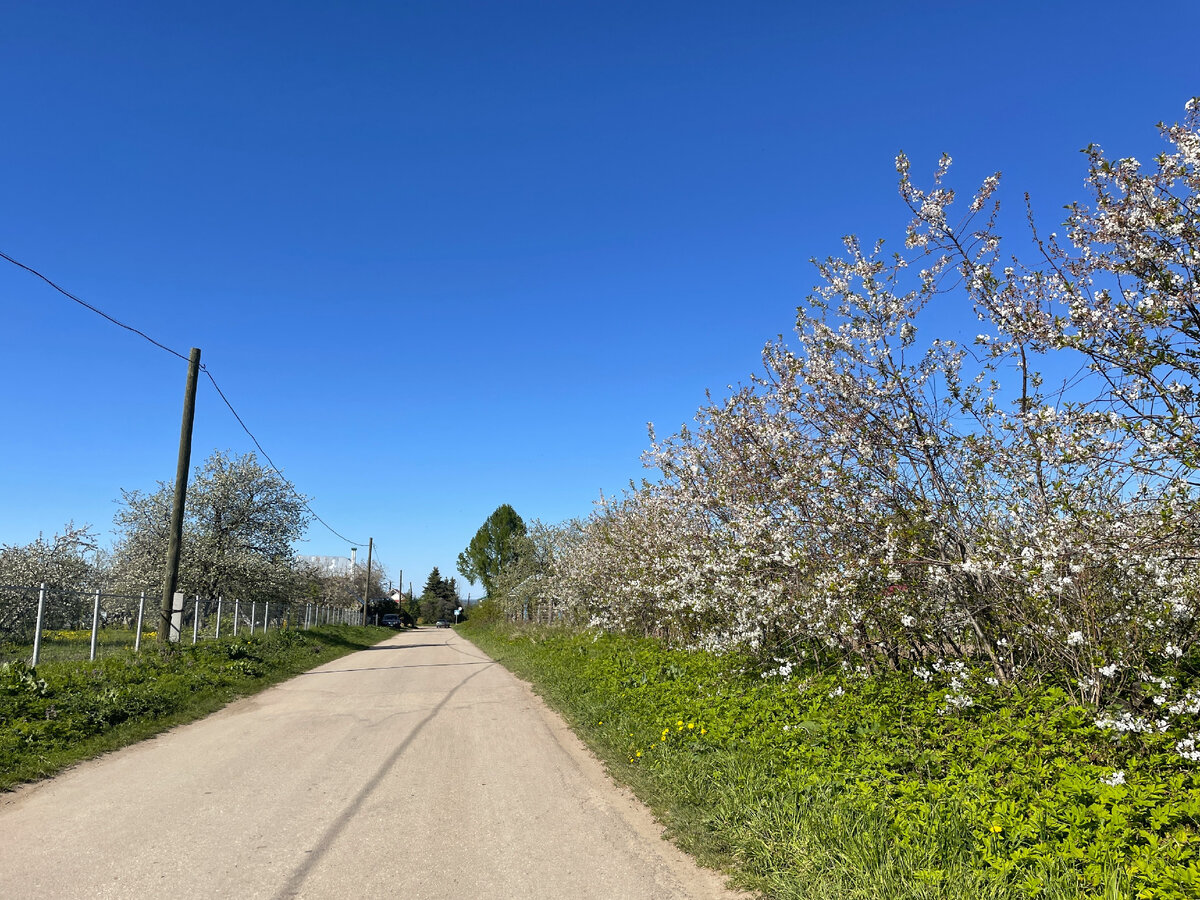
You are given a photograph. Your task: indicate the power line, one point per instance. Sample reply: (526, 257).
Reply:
(203, 368)
(268, 458)
(98, 312)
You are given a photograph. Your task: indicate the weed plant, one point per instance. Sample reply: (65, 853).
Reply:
(835, 785)
(63, 712)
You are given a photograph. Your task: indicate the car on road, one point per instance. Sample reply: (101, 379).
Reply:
(442, 623)
(391, 620)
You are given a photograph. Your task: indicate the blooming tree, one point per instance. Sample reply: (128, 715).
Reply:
(881, 493)
(60, 563)
(241, 521)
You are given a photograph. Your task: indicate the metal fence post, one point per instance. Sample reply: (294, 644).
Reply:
(196, 622)
(95, 623)
(218, 636)
(37, 634)
(253, 605)
(266, 615)
(137, 638)
(237, 612)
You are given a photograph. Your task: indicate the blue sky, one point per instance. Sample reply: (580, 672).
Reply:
(443, 256)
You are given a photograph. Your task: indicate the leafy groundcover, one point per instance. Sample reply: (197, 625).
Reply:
(63, 712)
(824, 785)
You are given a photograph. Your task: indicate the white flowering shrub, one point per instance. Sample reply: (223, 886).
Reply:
(882, 493)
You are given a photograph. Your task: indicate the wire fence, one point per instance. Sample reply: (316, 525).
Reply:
(46, 624)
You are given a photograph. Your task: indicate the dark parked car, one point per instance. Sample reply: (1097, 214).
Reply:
(391, 620)
(442, 623)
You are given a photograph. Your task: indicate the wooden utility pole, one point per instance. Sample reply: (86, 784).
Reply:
(367, 583)
(171, 576)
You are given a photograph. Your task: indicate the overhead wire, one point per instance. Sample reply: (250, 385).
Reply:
(98, 312)
(203, 368)
(270, 461)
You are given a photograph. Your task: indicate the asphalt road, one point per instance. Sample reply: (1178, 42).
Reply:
(417, 769)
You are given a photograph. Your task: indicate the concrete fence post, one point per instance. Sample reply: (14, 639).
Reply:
(95, 623)
(137, 635)
(37, 632)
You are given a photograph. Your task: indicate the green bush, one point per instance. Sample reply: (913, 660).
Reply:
(835, 784)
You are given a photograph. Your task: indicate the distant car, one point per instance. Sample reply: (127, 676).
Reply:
(391, 620)
(442, 623)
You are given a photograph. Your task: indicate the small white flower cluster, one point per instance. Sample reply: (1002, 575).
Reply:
(1135, 724)
(956, 699)
(1188, 705)
(783, 669)
(1116, 778)
(1187, 748)
(1126, 722)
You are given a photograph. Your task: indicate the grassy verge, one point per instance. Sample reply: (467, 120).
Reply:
(64, 712)
(837, 785)
(61, 646)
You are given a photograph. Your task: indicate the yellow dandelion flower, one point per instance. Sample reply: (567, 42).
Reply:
(691, 725)
(996, 829)
(639, 753)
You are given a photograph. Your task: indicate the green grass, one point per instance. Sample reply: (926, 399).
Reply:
(61, 646)
(859, 788)
(63, 712)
